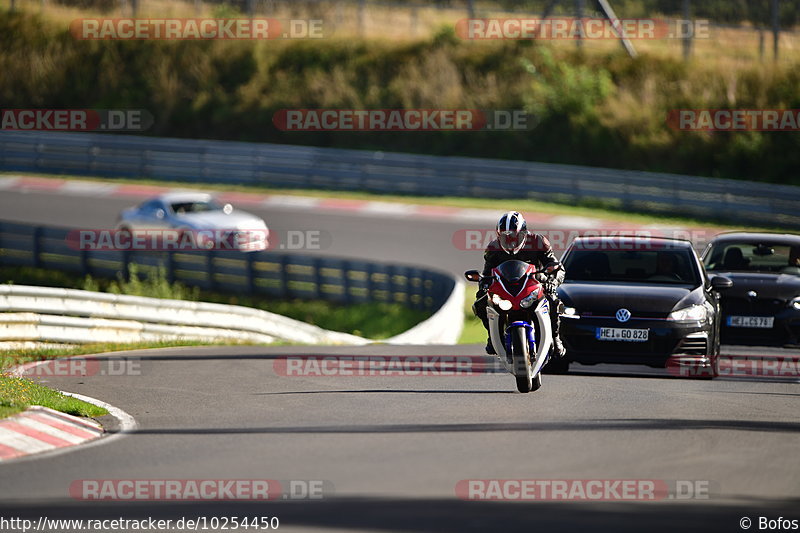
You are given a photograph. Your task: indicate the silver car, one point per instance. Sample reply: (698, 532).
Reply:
(198, 217)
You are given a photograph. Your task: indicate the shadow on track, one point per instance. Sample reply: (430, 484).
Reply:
(387, 391)
(580, 425)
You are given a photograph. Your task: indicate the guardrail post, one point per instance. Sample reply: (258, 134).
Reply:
(84, 255)
(346, 282)
(319, 294)
(284, 276)
(250, 273)
(210, 269)
(126, 264)
(37, 246)
(170, 266)
(370, 284)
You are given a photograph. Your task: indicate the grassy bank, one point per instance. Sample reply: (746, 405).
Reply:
(17, 394)
(601, 108)
(372, 320)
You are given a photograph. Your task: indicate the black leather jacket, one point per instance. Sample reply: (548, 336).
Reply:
(537, 251)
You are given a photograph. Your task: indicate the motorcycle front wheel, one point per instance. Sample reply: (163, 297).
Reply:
(520, 354)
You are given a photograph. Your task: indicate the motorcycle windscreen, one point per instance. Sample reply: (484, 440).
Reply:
(513, 274)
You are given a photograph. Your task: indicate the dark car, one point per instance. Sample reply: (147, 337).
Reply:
(764, 305)
(640, 300)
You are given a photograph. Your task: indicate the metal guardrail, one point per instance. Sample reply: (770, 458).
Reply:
(264, 274)
(62, 315)
(198, 161)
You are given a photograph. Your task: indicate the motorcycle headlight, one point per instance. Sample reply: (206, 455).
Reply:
(529, 300)
(504, 305)
(795, 303)
(689, 314)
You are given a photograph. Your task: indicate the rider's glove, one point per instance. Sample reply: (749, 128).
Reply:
(551, 288)
(485, 283)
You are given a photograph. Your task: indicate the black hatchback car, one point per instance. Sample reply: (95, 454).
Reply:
(640, 300)
(764, 305)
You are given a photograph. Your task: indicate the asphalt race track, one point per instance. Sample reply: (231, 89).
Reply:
(391, 450)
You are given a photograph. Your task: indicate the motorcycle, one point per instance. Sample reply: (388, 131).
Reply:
(519, 319)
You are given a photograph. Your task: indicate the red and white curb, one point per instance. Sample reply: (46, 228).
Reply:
(40, 429)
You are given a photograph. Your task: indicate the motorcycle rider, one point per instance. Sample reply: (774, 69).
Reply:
(515, 242)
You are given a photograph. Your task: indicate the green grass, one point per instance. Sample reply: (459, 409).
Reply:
(609, 210)
(473, 332)
(373, 320)
(17, 394)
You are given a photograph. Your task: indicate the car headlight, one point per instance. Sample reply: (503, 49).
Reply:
(689, 314)
(570, 312)
(795, 303)
(529, 300)
(504, 305)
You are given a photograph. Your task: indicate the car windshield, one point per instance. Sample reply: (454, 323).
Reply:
(182, 208)
(670, 267)
(753, 256)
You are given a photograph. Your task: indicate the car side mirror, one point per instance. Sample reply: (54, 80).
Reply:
(719, 283)
(160, 213)
(472, 275)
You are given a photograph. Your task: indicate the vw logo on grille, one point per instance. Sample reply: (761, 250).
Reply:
(623, 315)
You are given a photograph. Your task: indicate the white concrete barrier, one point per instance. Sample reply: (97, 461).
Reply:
(70, 316)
